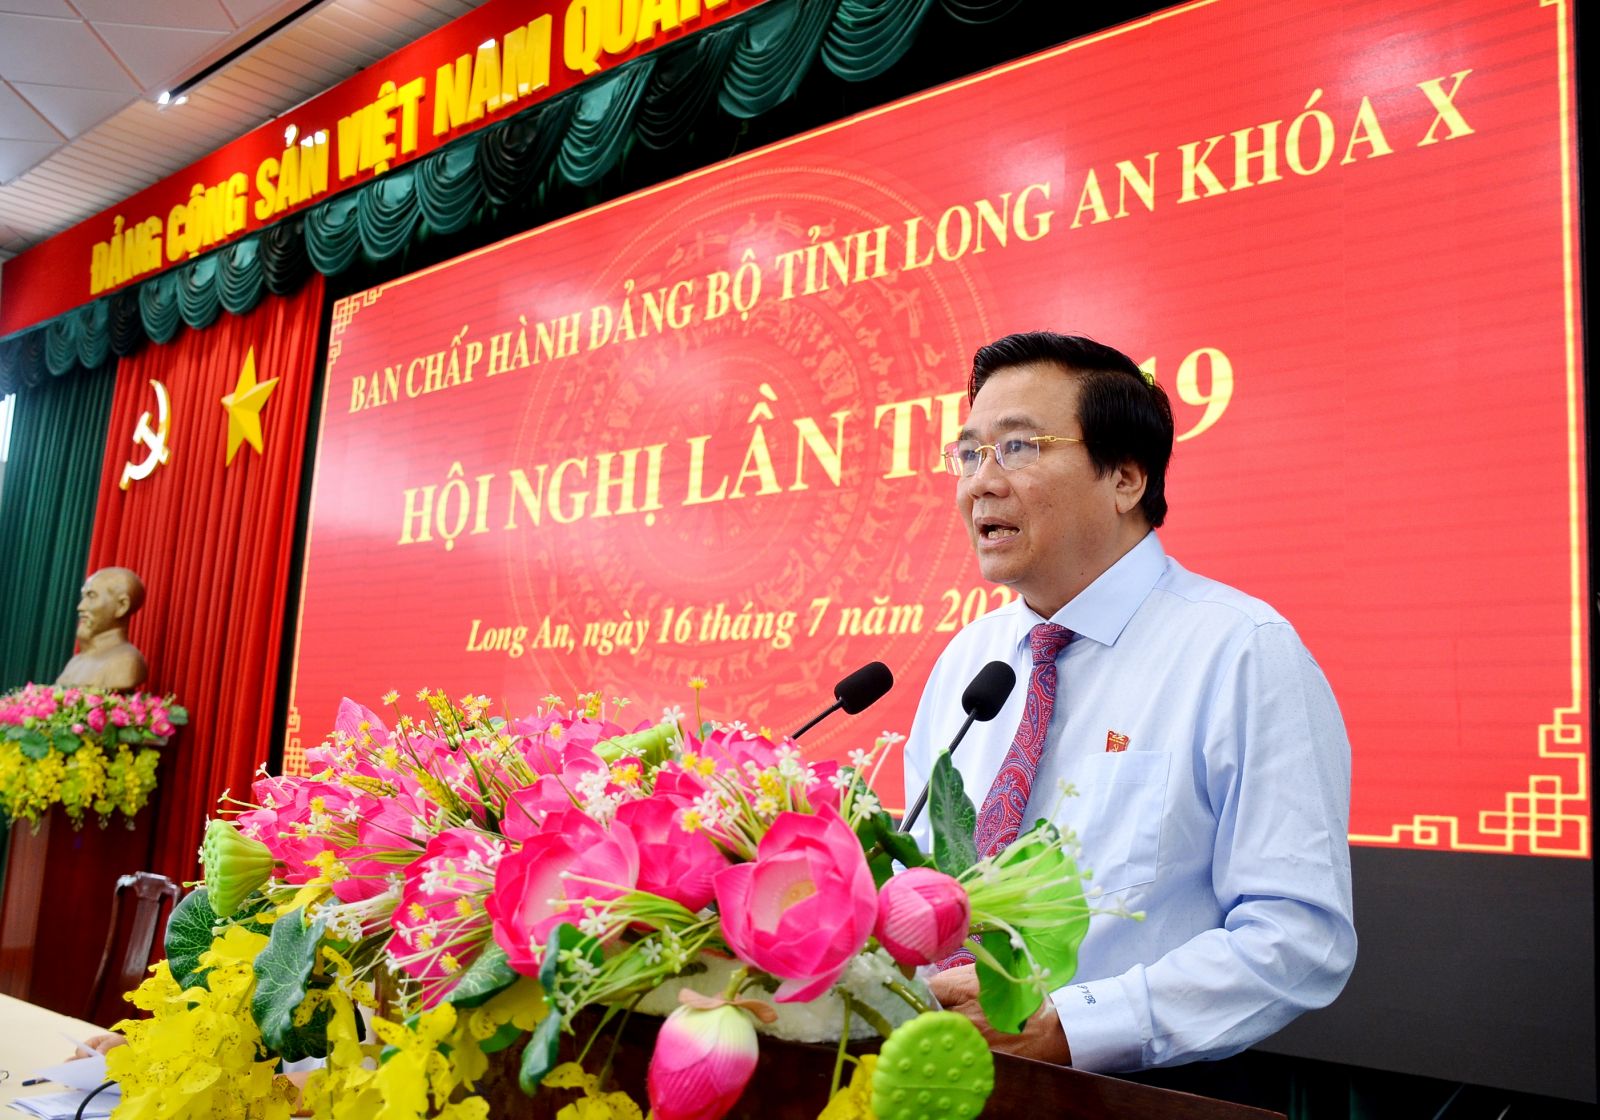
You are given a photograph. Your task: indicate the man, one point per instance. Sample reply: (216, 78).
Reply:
(106, 659)
(1211, 767)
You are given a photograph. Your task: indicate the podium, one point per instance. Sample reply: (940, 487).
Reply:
(791, 1083)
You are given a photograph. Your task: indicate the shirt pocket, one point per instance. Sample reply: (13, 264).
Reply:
(1117, 815)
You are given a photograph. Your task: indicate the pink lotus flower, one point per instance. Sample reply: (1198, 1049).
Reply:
(734, 746)
(553, 878)
(579, 731)
(295, 821)
(804, 907)
(563, 769)
(96, 718)
(352, 715)
(389, 837)
(672, 863)
(923, 916)
(439, 924)
(702, 1062)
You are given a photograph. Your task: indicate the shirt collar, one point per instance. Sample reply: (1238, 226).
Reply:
(1101, 610)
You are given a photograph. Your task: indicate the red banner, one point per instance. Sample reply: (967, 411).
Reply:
(694, 433)
(476, 70)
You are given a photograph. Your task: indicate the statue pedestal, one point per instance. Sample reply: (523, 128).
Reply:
(26, 850)
(57, 904)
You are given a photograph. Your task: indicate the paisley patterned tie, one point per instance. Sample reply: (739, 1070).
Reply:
(1000, 819)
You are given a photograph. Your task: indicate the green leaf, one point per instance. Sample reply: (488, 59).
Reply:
(127, 734)
(564, 936)
(1055, 946)
(485, 978)
(66, 742)
(500, 1039)
(898, 844)
(952, 817)
(878, 831)
(283, 973)
(15, 733)
(539, 1056)
(1006, 1003)
(189, 935)
(35, 745)
(177, 716)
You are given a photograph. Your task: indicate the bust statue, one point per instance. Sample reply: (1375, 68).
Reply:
(105, 658)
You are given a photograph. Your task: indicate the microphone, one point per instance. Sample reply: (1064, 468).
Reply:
(982, 701)
(855, 693)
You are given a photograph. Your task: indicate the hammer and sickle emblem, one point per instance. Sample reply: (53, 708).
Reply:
(155, 439)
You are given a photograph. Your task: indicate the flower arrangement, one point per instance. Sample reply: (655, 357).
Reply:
(82, 749)
(470, 885)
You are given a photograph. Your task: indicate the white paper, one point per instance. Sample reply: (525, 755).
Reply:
(83, 1074)
(64, 1106)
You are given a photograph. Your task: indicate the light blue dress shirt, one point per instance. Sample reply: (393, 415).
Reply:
(1225, 819)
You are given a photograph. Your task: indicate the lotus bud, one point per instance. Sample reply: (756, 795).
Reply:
(702, 1062)
(649, 744)
(922, 916)
(234, 866)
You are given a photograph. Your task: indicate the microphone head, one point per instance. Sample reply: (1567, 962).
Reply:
(987, 693)
(864, 687)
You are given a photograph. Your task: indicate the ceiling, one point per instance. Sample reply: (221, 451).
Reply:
(80, 129)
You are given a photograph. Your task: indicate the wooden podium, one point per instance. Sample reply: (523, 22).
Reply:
(791, 1083)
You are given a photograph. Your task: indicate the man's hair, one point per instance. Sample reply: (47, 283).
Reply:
(1123, 416)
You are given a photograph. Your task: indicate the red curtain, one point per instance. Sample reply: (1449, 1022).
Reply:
(212, 543)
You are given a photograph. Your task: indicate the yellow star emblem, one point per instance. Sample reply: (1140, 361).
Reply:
(244, 407)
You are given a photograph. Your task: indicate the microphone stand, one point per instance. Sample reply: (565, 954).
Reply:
(814, 720)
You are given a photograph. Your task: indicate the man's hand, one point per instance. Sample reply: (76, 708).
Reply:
(1041, 1039)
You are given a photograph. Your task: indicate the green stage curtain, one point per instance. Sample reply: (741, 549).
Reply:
(199, 295)
(158, 307)
(979, 11)
(46, 510)
(332, 236)
(81, 337)
(869, 36)
(241, 280)
(126, 324)
(602, 122)
(685, 83)
(387, 214)
(513, 158)
(781, 40)
(449, 188)
(285, 264)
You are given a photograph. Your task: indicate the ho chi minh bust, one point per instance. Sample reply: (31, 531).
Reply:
(105, 658)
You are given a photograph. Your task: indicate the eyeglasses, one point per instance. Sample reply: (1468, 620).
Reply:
(964, 457)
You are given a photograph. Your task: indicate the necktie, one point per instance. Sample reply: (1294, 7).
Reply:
(1000, 819)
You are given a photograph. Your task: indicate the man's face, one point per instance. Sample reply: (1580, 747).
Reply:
(101, 606)
(1047, 530)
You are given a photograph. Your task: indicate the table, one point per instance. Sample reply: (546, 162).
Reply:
(30, 1038)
